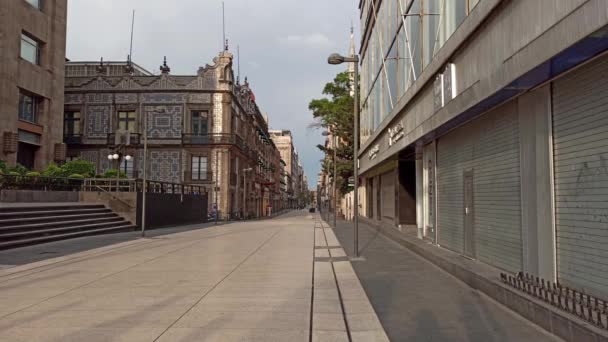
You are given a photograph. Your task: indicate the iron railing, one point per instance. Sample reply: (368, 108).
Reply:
(15, 182)
(136, 185)
(587, 307)
(209, 139)
(204, 177)
(135, 139)
(73, 139)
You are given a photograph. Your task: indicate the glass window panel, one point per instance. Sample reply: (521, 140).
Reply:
(430, 33)
(472, 3)
(452, 15)
(28, 107)
(392, 65)
(412, 25)
(71, 123)
(29, 49)
(35, 3)
(126, 121)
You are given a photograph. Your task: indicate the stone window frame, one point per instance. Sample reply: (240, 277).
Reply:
(187, 122)
(126, 108)
(205, 155)
(73, 109)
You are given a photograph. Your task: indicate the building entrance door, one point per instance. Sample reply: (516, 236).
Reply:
(469, 216)
(26, 155)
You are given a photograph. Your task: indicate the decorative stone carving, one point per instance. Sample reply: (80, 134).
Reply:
(125, 98)
(98, 121)
(165, 166)
(164, 121)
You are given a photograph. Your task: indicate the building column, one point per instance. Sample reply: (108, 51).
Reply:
(537, 198)
(419, 193)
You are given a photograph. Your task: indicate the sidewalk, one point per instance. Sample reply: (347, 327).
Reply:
(242, 281)
(417, 301)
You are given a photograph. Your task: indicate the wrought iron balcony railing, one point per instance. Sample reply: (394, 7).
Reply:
(209, 139)
(73, 139)
(203, 177)
(135, 139)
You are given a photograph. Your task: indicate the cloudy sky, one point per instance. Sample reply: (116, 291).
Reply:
(284, 45)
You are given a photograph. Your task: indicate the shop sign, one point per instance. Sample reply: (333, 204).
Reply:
(373, 152)
(395, 133)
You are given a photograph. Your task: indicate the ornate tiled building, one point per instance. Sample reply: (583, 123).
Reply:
(200, 129)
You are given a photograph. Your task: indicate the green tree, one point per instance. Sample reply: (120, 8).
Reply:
(335, 112)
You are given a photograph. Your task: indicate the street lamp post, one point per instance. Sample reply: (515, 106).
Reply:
(335, 59)
(333, 195)
(145, 175)
(118, 157)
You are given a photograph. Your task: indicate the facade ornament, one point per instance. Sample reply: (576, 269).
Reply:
(101, 68)
(165, 68)
(129, 69)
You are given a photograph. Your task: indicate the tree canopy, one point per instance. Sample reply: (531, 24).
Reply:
(335, 112)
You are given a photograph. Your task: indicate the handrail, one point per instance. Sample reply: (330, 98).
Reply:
(115, 197)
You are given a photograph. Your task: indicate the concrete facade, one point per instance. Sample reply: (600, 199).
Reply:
(468, 143)
(36, 140)
(202, 129)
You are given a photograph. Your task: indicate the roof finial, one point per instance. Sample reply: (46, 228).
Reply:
(226, 45)
(165, 68)
(101, 68)
(129, 67)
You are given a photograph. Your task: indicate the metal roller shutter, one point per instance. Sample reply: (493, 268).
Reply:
(580, 138)
(487, 149)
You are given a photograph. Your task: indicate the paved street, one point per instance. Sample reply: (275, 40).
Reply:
(417, 301)
(237, 282)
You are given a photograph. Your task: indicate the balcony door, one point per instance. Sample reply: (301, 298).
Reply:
(200, 127)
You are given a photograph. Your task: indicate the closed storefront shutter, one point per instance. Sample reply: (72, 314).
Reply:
(486, 151)
(580, 137)
(388, 195)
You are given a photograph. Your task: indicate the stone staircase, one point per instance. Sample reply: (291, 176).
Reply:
(34, 224)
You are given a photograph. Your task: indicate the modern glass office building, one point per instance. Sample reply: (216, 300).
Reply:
(484, 130)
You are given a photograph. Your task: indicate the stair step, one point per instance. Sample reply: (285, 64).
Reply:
(7, 215)
(25, 242)
(53, 231)
(44, 219)
(50, 207)
(56, 224)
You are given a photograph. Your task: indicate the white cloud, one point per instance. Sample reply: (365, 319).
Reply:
(313, 40)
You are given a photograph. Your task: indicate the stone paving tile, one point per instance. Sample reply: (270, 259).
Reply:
(329, 336)
(75, 334)
(416, 301)
(245, 320)
(244, 281)
(233, 335)
(328, 322)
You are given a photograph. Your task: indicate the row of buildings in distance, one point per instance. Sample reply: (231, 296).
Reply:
(205, 128)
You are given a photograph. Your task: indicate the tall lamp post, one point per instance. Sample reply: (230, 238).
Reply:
(336, 59)
(333, 195)
(117, 156)
(145, 169)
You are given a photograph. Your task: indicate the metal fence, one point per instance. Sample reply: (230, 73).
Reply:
(15, 182)
(589, 308)
(39, 183)
(136, 185)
